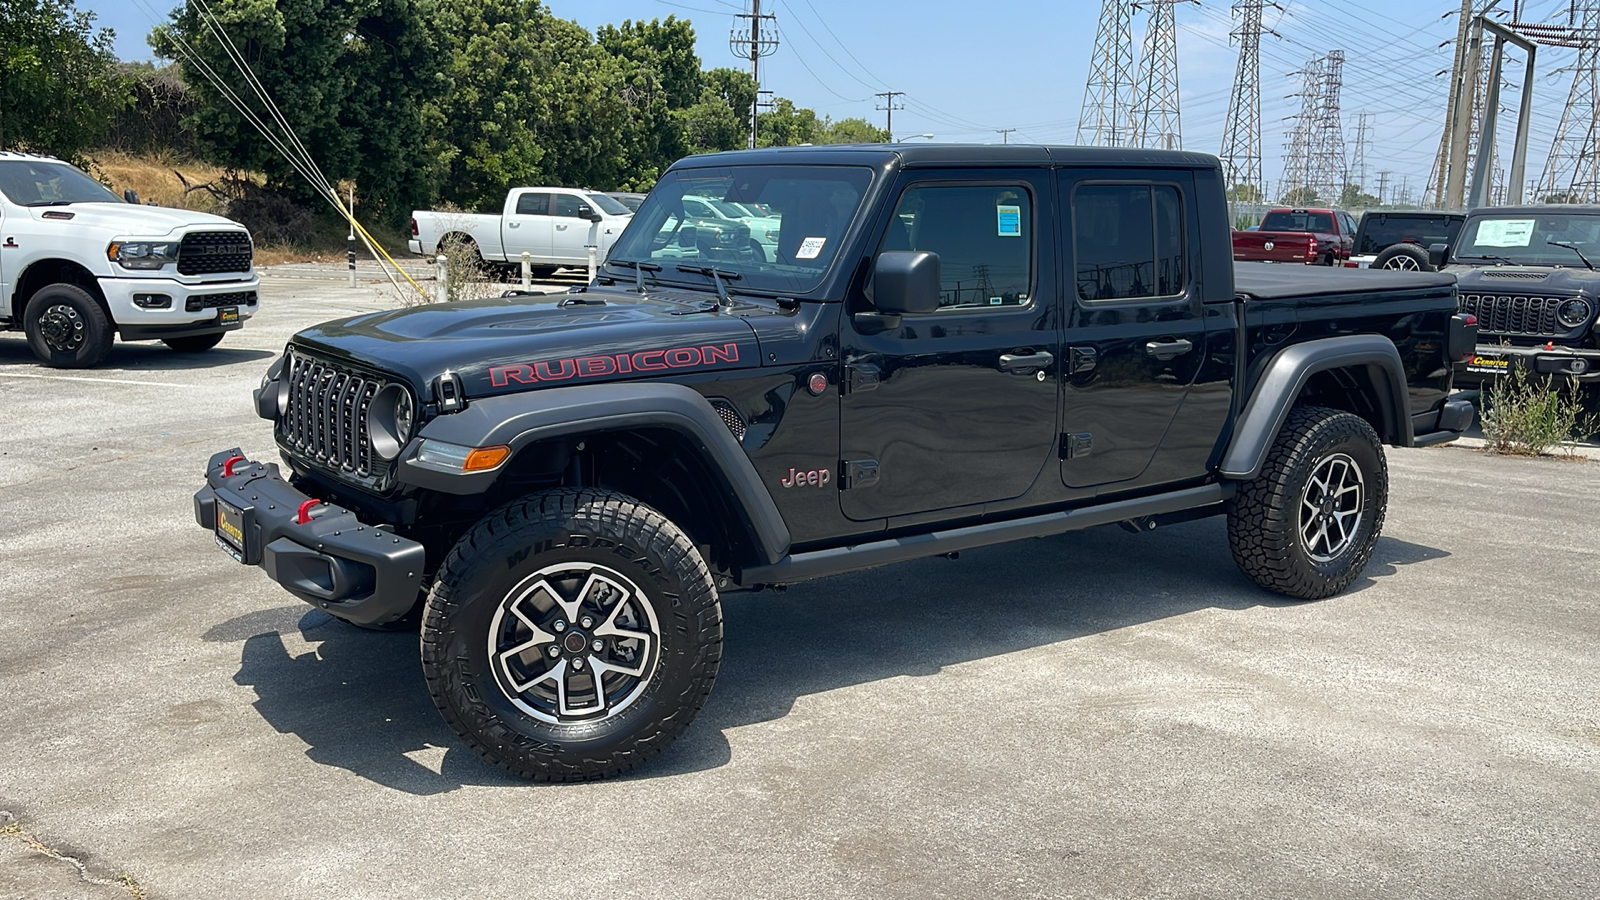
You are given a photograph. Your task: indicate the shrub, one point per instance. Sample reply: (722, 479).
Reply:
(1527, 417)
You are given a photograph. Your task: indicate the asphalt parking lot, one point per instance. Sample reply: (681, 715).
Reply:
(1093, 715)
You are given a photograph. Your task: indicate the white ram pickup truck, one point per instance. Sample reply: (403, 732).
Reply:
(78, 265)
(554, 226)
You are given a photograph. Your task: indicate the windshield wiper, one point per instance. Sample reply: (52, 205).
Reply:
(716, 275)
(639, 268)
(1487, 256)
(52, 203)
(1574, 250)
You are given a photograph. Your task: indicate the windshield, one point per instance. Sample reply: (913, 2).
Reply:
(609, 205)
(38, 182)
(1380, 230)
(1298, 220)
(812, 207)
(1523, 239)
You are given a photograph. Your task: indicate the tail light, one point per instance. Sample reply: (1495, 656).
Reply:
(1313, 250)
(414, 232)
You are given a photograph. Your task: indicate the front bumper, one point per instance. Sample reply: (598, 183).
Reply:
(242, 294)
(361, 573)
(1490, 361)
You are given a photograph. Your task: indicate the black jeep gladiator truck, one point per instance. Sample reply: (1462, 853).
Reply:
(950, 347)
(1528, 275)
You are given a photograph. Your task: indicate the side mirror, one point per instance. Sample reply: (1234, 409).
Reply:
(587, 212)
(131, 196)
(906, 282)
(1437, 253)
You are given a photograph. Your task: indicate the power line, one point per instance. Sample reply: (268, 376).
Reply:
(1005, 134)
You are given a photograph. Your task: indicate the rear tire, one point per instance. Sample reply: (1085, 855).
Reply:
(67, 328)
(194, 344)
(1405, 257)
(1306, 525)
(544, 593)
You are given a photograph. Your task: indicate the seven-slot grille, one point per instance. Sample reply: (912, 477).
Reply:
(1515, 315)
(209, 252)
(212, 301)
(326, 419)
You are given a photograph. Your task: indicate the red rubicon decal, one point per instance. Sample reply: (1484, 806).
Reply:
(613, 364)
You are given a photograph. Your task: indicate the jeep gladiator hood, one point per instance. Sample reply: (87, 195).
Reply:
(505, 345)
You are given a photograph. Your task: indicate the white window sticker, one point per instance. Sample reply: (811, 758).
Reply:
(1009, 220)
(1505, 232)
(810, 248)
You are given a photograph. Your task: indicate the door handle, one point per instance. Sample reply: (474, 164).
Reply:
(561, 228)
(513, 224)
(1026, 363)
(1168, 349)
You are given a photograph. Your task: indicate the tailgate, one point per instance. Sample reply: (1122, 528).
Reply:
(1276, 246)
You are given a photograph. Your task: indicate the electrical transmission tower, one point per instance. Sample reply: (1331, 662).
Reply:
(1327, 169)
(1358, 159)
(1157, 121)
(1106, 119)
(1439, 178)
(1297, 152)
(1574, 165)
(754, 35)
(1241, 136)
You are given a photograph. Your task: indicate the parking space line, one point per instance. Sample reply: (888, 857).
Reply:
(4, 374)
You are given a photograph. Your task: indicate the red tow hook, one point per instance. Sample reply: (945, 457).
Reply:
(303, 515)
(227, 465)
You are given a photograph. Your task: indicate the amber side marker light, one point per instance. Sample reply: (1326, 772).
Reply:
(482, 458)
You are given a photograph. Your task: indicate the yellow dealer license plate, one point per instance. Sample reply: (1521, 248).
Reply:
(1484, 364)
(230, 529)
(228, 315)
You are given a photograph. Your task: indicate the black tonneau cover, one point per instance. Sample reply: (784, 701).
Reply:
(1274, 281)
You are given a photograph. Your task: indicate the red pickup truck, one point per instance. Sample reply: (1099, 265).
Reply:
(1316, 237)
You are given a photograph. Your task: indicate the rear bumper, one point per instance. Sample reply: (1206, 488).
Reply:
(1491, 361)
(1453, 418)
(415, 246)
(364, 574)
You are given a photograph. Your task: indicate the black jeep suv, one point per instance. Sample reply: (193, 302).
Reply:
(947, 347)
(1528, 275)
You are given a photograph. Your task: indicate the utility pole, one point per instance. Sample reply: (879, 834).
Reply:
(1327, 170)
(751, 39)
(1358, 164)
(1241, 136)
(1383, 182)
(1297, 152)
(1005, 134)
(1157, 120)
(1439, 178)
(889, 107)
(1573, 168)
(1106, 118)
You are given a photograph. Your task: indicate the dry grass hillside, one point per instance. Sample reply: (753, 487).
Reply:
(157, 179)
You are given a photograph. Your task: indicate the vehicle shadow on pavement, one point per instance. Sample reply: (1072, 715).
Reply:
(359, 701)
(141, 356)
(357, 698)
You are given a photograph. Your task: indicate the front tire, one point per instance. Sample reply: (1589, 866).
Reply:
(194, 344)
(67, 328)
(571, 635)
(1307, 524)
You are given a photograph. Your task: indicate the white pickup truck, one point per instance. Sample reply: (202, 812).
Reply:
(554, 226)
(78, 265)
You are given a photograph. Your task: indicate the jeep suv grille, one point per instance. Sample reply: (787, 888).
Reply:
(326, 419)
(210, 252)
(1534, 316)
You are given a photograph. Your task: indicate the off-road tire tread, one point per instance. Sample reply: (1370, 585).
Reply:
(1263, 514)
(631, 520)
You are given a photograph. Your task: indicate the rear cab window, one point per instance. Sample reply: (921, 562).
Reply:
(1128, 241)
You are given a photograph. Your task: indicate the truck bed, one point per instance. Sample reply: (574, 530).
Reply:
(1266, 281)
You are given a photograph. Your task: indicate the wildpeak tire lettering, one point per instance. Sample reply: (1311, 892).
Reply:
(571, 367)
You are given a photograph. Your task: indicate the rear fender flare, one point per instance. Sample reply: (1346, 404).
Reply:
(1286, 377)
(519, 420)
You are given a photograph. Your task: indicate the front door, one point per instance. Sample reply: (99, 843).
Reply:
(572, 234)
(957, 407)
(527, 228)
(1135, 336)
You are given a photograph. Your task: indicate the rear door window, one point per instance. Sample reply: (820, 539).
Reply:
(1128, 241)
(533, 205)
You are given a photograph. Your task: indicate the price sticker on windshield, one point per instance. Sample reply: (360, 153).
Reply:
(810, 248)
(1009, 220)
(1505, 232)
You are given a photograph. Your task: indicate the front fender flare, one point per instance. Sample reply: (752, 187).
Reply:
(1287, 375)
(518, 420)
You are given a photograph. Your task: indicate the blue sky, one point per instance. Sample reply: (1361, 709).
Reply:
(970, 68)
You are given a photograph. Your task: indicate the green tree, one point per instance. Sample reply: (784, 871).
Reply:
(787, 125)
(349, 76)
(1244, 192)
(1353, 197)
(1301, 196)
(721, 119)
(59, 76)
(853, 131)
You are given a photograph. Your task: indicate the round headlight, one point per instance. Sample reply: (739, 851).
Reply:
(1574, 313)
(389, 420)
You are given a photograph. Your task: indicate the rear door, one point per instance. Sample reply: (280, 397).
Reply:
(957, 407)
(526, 227)
(1135, 335)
